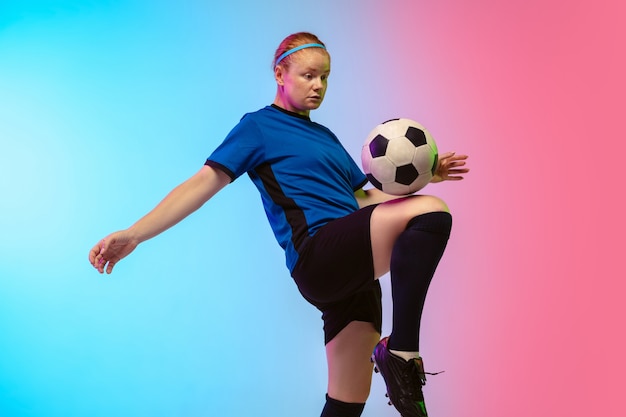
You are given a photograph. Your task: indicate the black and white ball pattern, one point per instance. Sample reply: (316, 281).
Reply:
(399, 156)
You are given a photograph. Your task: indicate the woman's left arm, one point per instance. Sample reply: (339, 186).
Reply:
(372, 196)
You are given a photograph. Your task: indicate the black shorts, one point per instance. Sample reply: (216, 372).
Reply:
(335, 273)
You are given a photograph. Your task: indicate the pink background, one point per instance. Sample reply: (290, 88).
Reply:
(531, 289)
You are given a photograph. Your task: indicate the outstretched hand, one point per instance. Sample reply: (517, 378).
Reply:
(450, 167)
(110, 250)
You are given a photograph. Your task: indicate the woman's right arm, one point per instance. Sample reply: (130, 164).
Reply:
(178, 204)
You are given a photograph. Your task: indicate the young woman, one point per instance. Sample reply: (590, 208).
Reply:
(338, 238)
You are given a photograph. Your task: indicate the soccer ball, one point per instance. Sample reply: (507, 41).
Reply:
(399, 156)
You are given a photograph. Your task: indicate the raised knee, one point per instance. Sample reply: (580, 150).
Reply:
(435, 221)
(430, 203)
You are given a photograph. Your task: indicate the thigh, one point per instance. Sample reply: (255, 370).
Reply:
(363, 306)
(349, 365)
(337, 261)
(389, 219)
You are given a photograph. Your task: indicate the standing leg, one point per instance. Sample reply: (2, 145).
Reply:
(349, 369)
(335, 273)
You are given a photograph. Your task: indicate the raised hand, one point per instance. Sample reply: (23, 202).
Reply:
(450, 167)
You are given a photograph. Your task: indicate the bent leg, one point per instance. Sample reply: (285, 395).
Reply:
(409, 237)
(390, 219)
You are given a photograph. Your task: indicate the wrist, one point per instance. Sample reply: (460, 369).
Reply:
(135, 234)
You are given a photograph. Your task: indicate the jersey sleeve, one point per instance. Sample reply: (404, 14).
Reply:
(241, 150)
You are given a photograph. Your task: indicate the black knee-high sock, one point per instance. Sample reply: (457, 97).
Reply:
(415, 256)
(336, 408)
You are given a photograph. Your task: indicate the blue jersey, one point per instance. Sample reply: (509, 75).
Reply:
(305, 176)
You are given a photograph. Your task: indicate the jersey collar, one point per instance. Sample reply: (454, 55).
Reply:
(300, 116)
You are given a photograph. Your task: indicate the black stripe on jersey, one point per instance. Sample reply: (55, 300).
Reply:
(293, 213)
(221, 167)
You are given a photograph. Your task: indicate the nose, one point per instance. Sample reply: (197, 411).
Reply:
(318, 84)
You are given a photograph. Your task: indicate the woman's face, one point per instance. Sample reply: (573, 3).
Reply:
(302, 86)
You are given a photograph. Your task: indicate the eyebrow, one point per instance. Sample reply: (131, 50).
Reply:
(308, 69)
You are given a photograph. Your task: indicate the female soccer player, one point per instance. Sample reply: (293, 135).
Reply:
(338, 238)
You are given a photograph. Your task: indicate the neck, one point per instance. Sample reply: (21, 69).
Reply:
(284, 104)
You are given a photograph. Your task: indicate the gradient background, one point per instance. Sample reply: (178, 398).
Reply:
(107, 105)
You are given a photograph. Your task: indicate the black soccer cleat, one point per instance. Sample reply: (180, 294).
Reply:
(404, 380)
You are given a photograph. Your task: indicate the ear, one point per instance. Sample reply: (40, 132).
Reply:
(278, 74)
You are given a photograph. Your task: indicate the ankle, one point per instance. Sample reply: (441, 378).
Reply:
(406, 355)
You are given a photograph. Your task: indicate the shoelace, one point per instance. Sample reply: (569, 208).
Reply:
(418, 366)
(432, 373)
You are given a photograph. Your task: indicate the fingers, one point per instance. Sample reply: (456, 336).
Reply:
(93, 253)
(453, 156)
(450, 160)
(453, 163)
(446, 155)
(452, 166)
(105, 265)
(110, 266)
(98, 257)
